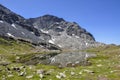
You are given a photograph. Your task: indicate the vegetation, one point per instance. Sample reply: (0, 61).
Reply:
(106, 66)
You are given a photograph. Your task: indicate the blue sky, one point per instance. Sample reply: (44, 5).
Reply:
(100, 17)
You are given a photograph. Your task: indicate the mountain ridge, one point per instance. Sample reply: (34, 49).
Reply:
(47, 29)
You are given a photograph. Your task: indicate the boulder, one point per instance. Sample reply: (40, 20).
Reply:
(71, 59)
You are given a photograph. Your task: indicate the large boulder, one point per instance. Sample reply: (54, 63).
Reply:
(71, 59)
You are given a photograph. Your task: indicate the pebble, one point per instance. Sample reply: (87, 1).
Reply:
(41, 71)
(30, 76)
(41, 75)
(10, 75)
(72, 73)
(99, 65)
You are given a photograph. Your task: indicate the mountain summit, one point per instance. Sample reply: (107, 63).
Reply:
(46, 31)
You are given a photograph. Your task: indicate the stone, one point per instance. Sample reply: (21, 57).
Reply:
(41, 75)
(29, 76)
(10, 75)
(22, 73)
(61, 75)
(72, 73)
(41, 71)
(4, 63)
(71, 59)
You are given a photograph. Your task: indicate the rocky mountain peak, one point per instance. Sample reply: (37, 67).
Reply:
(4, 9)
(47, 29)
(49, 17)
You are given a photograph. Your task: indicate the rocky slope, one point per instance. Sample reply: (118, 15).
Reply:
(46, 30)
(14, 26)
(67, 35)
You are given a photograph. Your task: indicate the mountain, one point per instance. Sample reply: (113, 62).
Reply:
(45, 31)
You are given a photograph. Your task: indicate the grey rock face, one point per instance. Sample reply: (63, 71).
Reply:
(67, 35)
(15, 26)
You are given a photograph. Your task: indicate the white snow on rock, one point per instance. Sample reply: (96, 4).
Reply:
(53, 60)
(1, 21)
(23, 33)
(57, 22)
(44, 31)
(77, 36)
(60, 27)
(10, 35)
(32, 32)
(35, 27)
(13, 25)
(86, 44)
(73, 34)
(51, 41)
(59, 45)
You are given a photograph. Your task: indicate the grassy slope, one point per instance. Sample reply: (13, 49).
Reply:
(106, 66)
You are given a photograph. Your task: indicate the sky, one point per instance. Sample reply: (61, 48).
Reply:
(99, 17)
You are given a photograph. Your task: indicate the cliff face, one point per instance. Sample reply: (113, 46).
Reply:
(49, 30)
(67, 35)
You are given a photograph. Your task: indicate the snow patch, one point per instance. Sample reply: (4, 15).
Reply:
(57, 22)
(77, 36)
(86, 56)
(59, 45)
(32, 32)
(1, 21)
(73, 34)
(60, 27)
(9, 34)
(51, 41)
(86, 44)
(52, 59)
(44, 31)
(35, 27)
(23, 33)
(13, 25)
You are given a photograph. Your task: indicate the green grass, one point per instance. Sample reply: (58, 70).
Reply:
(105, 65)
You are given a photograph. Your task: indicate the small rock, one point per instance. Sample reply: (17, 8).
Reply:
(72, 73)
(22, 67)
(99, 65)
(102, 78)
(4, 63)
(30, 76)
(88, 71)
(41, 75)
(10, 75)
(22, 74)
(62, 75)
(17, 58)
(30, 67)
(41, 71)
(80, 72)
(58, 76)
